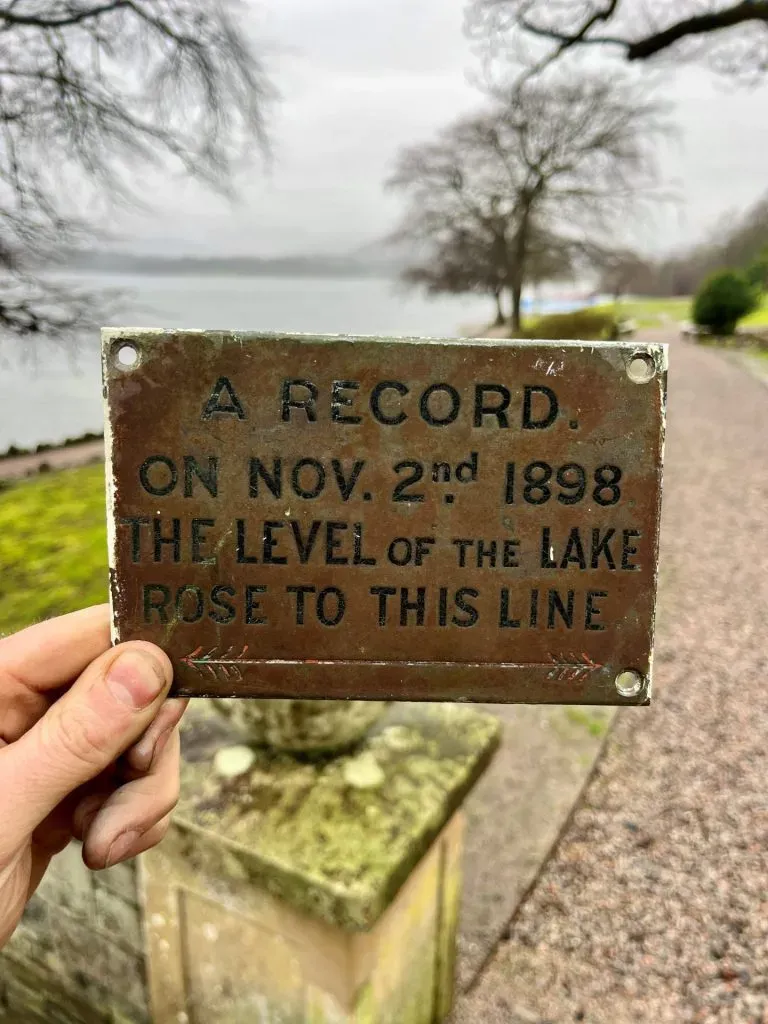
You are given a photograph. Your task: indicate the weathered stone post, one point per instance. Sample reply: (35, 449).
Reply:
(301, 726)
(294, 889)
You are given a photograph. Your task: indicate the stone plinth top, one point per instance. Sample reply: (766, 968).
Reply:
(336, 837)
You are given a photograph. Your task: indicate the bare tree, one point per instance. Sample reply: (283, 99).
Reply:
(563, 158)
(460, 212)
(738, 241)
(733, 33)
(620, 270)
(91, 91)
(458, 263)
(462, 262)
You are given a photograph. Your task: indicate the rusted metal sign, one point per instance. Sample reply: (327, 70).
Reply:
(298, 516)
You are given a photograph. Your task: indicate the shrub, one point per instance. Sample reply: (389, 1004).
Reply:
(581, 324)
(723, 300)
(757, 271)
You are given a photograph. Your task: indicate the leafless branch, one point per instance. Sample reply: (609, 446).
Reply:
(703, 24)
(90, 92)
(545, 165)
(77, 15)
(641, 30)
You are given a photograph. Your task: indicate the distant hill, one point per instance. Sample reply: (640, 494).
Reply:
(370, 262)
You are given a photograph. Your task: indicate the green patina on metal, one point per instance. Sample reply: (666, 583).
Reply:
(337, 837)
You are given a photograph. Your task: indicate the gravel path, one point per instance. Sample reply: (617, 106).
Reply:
(655, 907)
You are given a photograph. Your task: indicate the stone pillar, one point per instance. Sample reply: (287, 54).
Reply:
(78, 955)
(319, 891)
(301, 726)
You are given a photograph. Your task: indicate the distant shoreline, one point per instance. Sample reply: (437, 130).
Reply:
(44, 448)
(320, 266)
(17, 467)
(17, 463)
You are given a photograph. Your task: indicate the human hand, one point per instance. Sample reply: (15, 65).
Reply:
(89, 748)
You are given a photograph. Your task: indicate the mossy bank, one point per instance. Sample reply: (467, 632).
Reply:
(53, 547)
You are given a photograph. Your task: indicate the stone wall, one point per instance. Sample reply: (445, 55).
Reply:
(355, 847)
(77, 957)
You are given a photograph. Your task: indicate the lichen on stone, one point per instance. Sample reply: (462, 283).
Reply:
(336, 837)
(301, 726)
(363, 772)
(230, 762)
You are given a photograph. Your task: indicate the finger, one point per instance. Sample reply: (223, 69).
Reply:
(87, 809)
(139, 760)
(41, 860)
(20, 708)
(142, 754)
(133, 811)
(141, 843)
(53, 653)
(48, 839)
(84, 732)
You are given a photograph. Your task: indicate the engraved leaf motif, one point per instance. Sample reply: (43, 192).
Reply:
(224, 666)
(571, 668)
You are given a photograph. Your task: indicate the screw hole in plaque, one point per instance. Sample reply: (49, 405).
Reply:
(126, 356)
(641, 368)
(628, 683)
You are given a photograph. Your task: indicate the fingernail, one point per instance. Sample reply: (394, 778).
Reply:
(143, 753)
(121, 847)
(136, 679)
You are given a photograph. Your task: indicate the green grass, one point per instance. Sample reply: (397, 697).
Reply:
(760, 317)
(646, 312)
(594, 720)
(655, 312)
(670, 312)
(53, 549)
(587, 324)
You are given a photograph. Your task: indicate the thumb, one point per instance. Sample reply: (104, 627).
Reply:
(102, 714)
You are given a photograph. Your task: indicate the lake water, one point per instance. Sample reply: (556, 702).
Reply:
(51, 395)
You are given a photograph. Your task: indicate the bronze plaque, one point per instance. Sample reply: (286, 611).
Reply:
(300, 516)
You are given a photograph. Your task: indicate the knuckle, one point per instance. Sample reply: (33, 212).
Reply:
(161, 829)
(164, 809)
(155, 810)
(174, 792)
(79, 736)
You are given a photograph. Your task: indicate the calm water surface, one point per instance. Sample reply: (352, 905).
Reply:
(52, 395)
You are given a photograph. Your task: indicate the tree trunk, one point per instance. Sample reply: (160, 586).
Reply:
(517, 298)
(499, 321)
(519, 269)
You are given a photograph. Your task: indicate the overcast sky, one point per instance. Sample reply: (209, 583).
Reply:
(360, 78)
